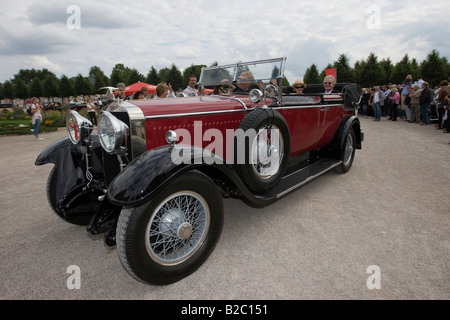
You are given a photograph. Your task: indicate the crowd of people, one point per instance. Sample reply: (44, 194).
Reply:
(413, 102)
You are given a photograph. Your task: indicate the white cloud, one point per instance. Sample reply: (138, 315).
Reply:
(159, 33)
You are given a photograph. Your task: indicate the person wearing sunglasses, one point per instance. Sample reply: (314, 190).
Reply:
(298, 87)
(328, 84)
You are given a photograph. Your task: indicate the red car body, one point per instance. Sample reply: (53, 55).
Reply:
(165, 216)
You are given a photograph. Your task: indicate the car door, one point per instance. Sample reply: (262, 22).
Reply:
(302, 115)
(329, 118)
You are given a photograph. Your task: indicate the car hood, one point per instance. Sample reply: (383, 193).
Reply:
(194, 105)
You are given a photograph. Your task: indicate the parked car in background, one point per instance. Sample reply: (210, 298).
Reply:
(153, 177)
(6, 108)
(77, 106)
(52, 106)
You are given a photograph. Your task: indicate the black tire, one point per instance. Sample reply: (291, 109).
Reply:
(347, 152)
(264, 170)
(171, 236)
(79, 219)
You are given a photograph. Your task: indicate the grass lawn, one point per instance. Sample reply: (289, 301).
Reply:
(22, 126)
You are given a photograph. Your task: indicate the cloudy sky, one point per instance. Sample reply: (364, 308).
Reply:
(69, 37)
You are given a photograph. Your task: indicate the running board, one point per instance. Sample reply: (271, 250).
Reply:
(301, 177)
(290, 182)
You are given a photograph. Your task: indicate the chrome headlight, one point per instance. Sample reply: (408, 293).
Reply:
(78, 127)
(112, 132)
(255, 95)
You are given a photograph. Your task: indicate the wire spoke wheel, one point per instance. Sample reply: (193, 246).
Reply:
(265, 152)
(172, 235)
(177, 228)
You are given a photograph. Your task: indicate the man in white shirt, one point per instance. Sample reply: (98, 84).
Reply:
(190, 89)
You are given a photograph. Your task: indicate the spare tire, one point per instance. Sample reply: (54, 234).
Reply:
(261, 149)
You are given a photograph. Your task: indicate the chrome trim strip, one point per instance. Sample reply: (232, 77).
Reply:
(309, 106)
(194, 114)
(232, 98)
(232, 111)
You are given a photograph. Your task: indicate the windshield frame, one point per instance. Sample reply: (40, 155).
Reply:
(231, 72)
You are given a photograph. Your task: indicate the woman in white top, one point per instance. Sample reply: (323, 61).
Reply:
(91, 110)
(36, 117)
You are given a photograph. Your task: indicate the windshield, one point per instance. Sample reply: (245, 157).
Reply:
(254, 72)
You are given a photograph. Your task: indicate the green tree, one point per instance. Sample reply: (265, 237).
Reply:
(82, 85)
(163, 75)
(50, 86)
(36, 88)
(175, 78)
(312, 75)
(344, 71)
(401, 70)
(20, 89)
(99, 77)
(28, 75)
(434, 69)
(388, 67)
(66, 87)
(192, 69)
(8, 90)
(2, 96)
(371, 72)
(153, 77)
(133, 76)
(119, 74)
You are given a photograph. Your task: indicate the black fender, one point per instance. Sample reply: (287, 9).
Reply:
(70, 163)
(69, 160)
(346, 124)
(149, 172)
(152, 170)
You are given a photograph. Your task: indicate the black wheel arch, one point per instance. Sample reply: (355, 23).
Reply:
(154, 169)
(346, 124)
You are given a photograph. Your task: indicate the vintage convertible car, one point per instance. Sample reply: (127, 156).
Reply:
(153, 179)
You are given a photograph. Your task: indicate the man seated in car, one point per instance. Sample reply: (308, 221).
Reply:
(328, 84)
(245, 82)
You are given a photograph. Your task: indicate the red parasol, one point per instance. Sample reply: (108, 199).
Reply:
(131, 89)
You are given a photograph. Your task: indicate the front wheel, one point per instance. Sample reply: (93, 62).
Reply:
(173, 234)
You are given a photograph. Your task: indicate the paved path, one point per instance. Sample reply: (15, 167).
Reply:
(390, 214)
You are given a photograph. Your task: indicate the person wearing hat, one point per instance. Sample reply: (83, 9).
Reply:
(404, 93)
(298, 87)
(245, 82)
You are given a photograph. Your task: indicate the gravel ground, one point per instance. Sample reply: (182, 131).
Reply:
(390, 211)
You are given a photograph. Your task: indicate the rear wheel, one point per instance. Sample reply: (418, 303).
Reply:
(171, 236)
(347, 153)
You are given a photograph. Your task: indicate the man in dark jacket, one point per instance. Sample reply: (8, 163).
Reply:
(440, 102)
(424, 100)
